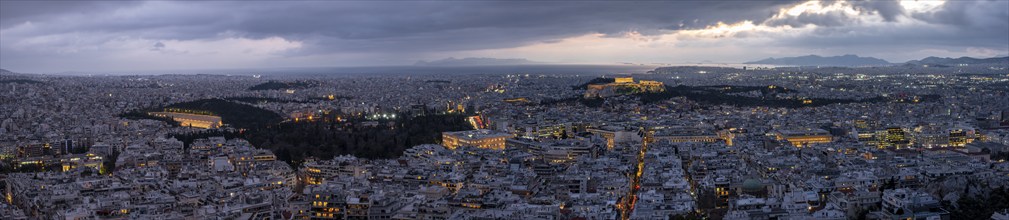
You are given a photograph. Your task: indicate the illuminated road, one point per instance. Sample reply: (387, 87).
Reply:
(627, 205)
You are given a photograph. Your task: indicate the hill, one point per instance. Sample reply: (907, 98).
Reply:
(814, 60)
(474, 61)
(940, 61)
(277, 85)
(236, 114)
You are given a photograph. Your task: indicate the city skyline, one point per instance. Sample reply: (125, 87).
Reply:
(538, 110)
(97, 36)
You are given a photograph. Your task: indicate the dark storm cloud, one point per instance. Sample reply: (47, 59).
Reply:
(384, 26)
(972, 14)
(961, 14)
(888, 10)
(36, 33)
(362, 20)
(16, 12)
(954, 24)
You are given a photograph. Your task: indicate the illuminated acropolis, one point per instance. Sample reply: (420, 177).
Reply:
(623, 85)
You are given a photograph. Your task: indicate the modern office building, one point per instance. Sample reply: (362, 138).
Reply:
(895, 137)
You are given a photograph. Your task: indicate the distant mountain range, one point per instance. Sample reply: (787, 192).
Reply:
(939, 61)
(854, 60)
(475, 61)
(814, 60)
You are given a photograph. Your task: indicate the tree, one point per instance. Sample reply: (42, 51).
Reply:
(687, 216)
(109, 163)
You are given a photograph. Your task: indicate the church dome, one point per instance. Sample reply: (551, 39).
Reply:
(752, 185)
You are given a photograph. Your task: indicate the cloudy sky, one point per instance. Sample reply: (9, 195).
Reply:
(56, 36)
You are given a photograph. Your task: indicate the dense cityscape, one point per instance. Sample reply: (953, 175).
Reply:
(541, 146)
(553, 110)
